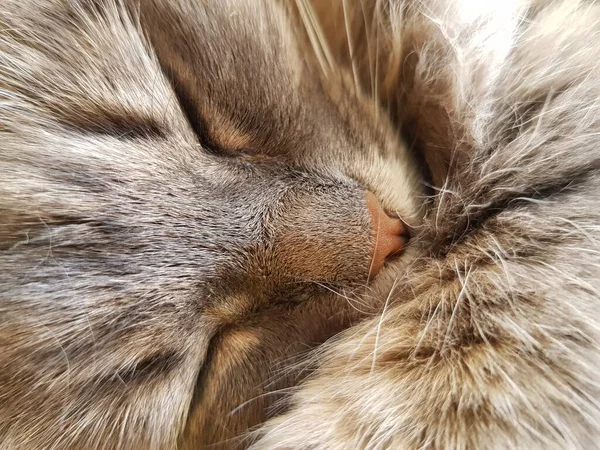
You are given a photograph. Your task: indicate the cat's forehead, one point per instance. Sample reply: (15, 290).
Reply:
(236, 62)
(241, 48)
(233, 36)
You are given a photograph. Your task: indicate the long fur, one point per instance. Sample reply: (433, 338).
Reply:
(176, 231)
(182, 217)
(491, 339)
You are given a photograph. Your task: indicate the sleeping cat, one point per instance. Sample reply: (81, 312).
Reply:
(195, 193)
(492, 340)
(189, 202)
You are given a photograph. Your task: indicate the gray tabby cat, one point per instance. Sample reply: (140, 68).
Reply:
(190, 200)
(187, 202)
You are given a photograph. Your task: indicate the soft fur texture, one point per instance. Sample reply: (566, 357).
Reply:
(491, 339)
(182, 216)
(182, 199)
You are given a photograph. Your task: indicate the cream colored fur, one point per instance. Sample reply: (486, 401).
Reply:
(182, 219)
(491, 339)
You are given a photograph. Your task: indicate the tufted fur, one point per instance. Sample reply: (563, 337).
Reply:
(181, 197)
(491, 339)
(182, 188)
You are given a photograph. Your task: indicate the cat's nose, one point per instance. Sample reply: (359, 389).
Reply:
(390, 235)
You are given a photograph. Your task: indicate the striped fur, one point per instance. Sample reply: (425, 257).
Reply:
(491, 339)
(163, 162)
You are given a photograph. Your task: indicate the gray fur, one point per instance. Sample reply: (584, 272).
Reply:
(182, 216)
(180, 196)
(491, 339)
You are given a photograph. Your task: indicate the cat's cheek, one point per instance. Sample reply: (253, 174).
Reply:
(323, 238)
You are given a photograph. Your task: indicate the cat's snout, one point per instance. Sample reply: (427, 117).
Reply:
(390, 235)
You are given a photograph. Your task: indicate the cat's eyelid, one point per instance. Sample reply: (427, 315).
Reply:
(224, 134)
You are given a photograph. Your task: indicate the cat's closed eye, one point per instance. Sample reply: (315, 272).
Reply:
(188, 209)
(205, 208)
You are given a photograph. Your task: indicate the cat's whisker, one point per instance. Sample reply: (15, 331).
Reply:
(348, 30)
(369, 55)
(458, 302)
(430, 320)
(260, 396)
(294, 365)
(377, 20)
(351, 301)
(316, 35)
(379, 324)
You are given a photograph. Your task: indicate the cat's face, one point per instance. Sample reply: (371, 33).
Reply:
(183, 215)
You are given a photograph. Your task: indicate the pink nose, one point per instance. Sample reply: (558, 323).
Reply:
(389, 233)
